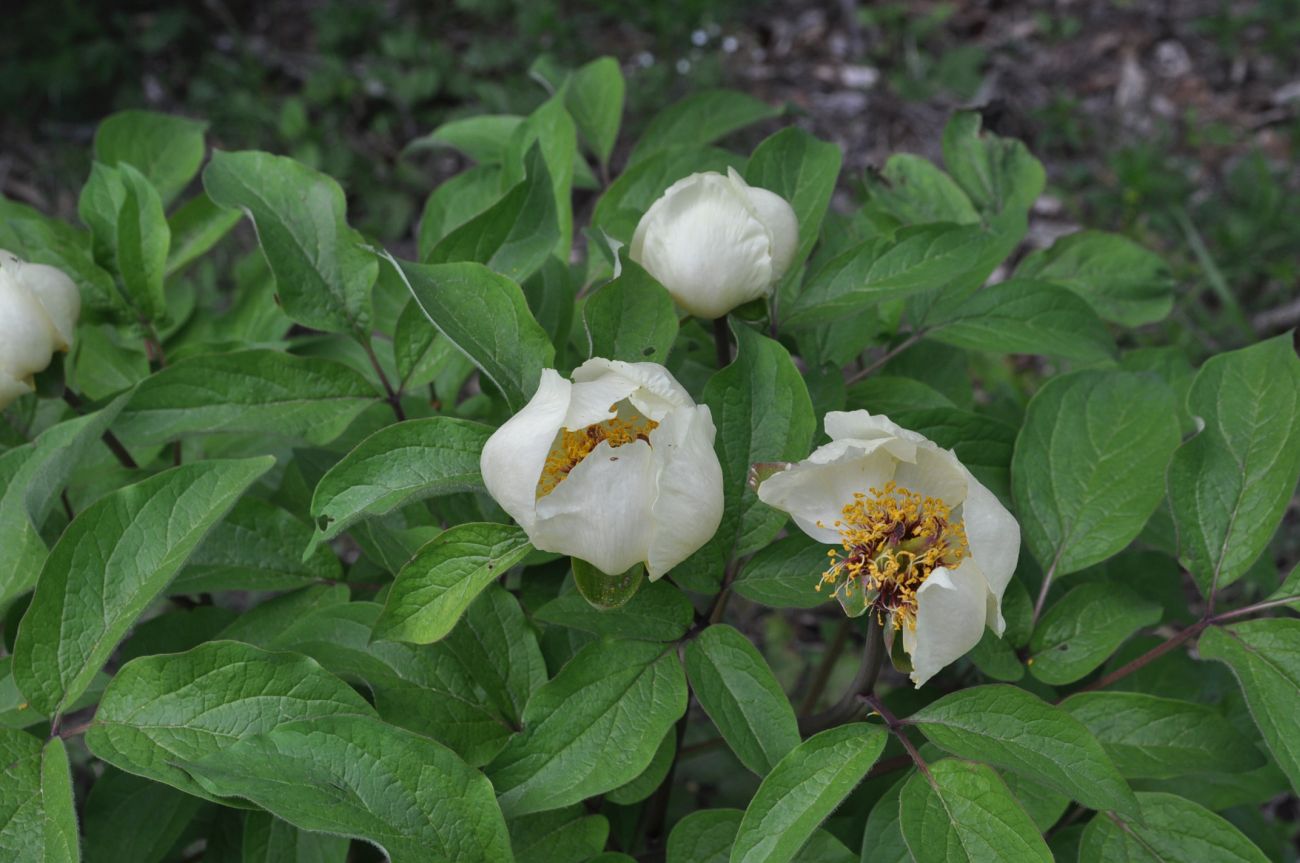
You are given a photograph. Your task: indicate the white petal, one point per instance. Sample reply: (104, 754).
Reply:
(10, 389)
(862, 425)
(782, 225)
(26, 334)
(58, 295)
(688, 508)
(703, 243)
(994, 538)
(514, 455)
(950, 614)
(935, 473)
(601, 511)
(656, 391)
(814, 492)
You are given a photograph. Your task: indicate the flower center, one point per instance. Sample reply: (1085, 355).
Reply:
(893, 538)
(572, 446)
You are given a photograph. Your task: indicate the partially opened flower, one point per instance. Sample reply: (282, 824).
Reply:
(615, 468)
(716, 242)
(920, 542)
(39, 306)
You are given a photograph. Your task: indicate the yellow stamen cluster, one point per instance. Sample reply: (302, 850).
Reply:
(572, 446)
(893, 538)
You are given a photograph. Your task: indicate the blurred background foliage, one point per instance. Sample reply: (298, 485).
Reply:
(1177, 123)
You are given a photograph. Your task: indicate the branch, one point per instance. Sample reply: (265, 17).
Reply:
(849, 705)
(885, 357)
(722, 341)
(896, 727)
(393, 398)
(110, 439)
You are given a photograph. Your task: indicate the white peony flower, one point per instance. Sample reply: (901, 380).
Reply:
(716, 242)
(922, 544)
(616, 468)
(39, 306)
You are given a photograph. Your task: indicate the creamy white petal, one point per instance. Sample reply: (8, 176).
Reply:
(863, 425)
(994, 538)
(590, 401)
(778, 216)
(11, 388)
(602, 512)
(514, 455)
(935, 473)
(814, 492)
(688, 507)
(58, 295)
(26, 334)
(656, 391)
(950, 615)
(703, 243)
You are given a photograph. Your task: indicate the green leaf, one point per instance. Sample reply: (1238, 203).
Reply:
(142, 535)
(143, 239)
(1081, 631)
(965, 812)
(438, 584)
(551, 127)
(700, 119)
(803, 171)
(37, 820)
(47, 241)
(256, 547)
(916, 192)
(785, 574)
(1088, 465)
(706, 836)
(195, 228)
(1230, 484)
(398, 465)
(357, 776)
(649, 779)
(322, 271)
(514, 236)
(593, 728)
(568, 834)
(256, 391)
(33, 476)
(1161, 738)
(165, 149)
(594, 98)
(762, 411)
(1015, 730)
(738, 691)
(803, 789)
(656, 612)
(1023, 316)
(161, 711)
(132, 820)
(267, 839)
(882, 839)
(455, 202)
(631, 319)
(1122, 281)
(998, 174)
(483, 138)
(916, 259)
(486, 317)
(1171, 829)
(1265, 657)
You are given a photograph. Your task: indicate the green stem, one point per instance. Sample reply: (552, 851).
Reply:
(849, 705)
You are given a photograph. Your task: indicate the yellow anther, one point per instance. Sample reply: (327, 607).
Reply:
(571, 446)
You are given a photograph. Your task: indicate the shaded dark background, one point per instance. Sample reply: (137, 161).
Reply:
(1177, 123)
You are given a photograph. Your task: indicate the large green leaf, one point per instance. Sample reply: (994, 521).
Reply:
(163, 710)
(1230, 484)
(357, 776)
(1122, 281)
(1015, 730)
(1265, 657)
(267, 839)
(129, 819)
(255, 391)
(164, 148)
(631, 319)
(322, 271)
(143, 238)
(1088, 465)
(1082, 630)
(195, 228)
(395, 466)
(656, 612)
(37, 821)
(482, 138)
(803, 170)
(803, 789)
(594, 98)
(594, 727)
(1160, 738)
(564, 834)
(486, 317)
(737, 689)
(33, 475)
(141, 535)
(1171, 829)
(998, 174)
(706, 836)
(1024, 316)
(914, 191)
(960, 812)
(438, 584)
(700, 119)
(785, 574)
(882, 838)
